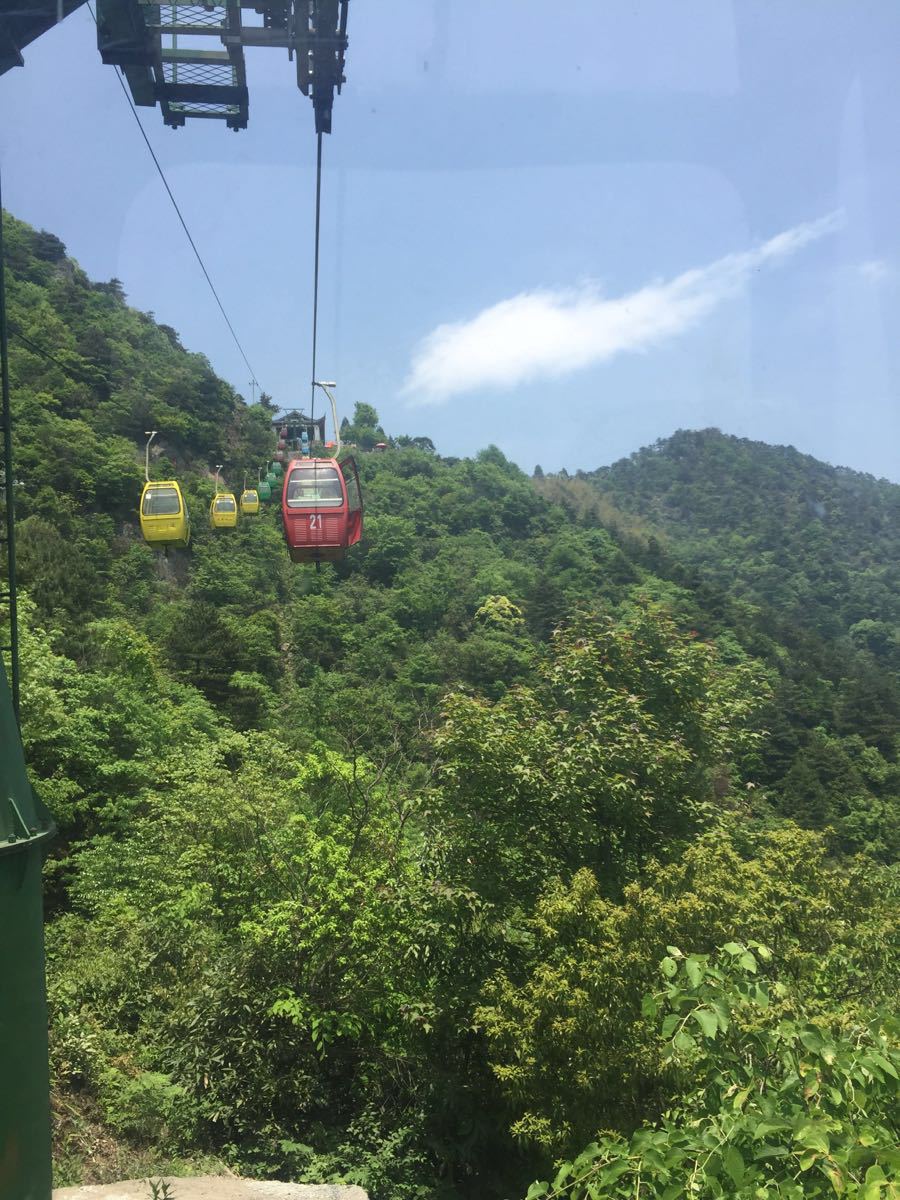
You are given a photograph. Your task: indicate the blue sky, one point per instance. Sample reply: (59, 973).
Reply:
(566, 229)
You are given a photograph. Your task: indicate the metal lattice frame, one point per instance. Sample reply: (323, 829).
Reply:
(160, 48)
(156, 47)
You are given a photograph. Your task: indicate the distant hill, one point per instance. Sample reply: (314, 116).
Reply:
(819, 544)
(800, 561)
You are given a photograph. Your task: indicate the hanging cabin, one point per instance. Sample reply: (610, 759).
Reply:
(164, 515)
(321, 504)
(249, 501)
(223, 511)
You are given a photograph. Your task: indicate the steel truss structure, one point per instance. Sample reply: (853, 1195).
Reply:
(189, 58)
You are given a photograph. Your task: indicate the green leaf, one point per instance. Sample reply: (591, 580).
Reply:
(612, 1172)
(586, 1158)
(722, 1013)
(649, 1006)
(770, 1126)
(884, 1064)
(875, 1179)
(707, 1020)
(694, 971)
(537, 1189)
(837, 1179)
(761, 996)
(669, 967)
(562, 1175)
(684, 1042)
(811, 1038)
(813, 1137)
(733, 948)
(670, 1024)
(748, 962)
(734, 1164)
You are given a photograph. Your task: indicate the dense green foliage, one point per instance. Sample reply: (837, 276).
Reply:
(818, 543)
(771, 1100)
(365, 874)
(799, 563)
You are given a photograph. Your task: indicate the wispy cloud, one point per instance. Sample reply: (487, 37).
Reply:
(876, 270)
(550, 333)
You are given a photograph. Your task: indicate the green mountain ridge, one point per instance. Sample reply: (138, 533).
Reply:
(760, 518)
(363, 875)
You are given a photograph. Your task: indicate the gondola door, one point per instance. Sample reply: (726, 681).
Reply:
(354, 500)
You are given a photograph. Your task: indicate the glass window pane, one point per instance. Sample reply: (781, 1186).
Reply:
(312, 486)
(161, 502)
(354, 500)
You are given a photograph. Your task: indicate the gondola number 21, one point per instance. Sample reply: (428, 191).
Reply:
(315, 520)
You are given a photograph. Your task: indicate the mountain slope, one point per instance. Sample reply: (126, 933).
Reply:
(801, 561)
(820, 544)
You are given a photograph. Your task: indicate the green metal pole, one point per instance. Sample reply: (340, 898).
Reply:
(8, 479)
(25, 827)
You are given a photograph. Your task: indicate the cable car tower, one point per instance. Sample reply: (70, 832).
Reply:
(189, 58)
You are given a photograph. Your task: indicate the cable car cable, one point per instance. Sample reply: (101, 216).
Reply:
(315, 329)
(312, 409)
(70, 371)
(162, 176)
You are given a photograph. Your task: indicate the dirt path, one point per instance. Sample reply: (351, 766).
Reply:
(211, 1187)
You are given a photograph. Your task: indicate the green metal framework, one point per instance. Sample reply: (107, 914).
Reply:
(25, 829)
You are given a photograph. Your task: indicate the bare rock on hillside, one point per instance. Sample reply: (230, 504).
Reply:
(211, 1187)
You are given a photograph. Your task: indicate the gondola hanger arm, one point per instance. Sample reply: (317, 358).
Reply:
(151, 434)
(326, 388)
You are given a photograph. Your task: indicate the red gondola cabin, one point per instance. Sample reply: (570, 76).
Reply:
(321, 504)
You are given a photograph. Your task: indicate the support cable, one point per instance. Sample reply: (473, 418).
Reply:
(162, 176)
(315, 328)
(8, 481)
(70, 371)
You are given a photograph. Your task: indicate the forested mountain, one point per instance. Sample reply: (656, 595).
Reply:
(367, 874)
(819, 544)
(801, 562)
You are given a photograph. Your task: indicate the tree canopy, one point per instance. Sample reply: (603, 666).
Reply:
(550, 836)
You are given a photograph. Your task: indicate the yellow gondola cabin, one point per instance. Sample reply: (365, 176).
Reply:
(164, 515)
(249, 501)
(223, 511)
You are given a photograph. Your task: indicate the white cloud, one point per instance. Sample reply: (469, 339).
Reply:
(875, 270)
(549, 333)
